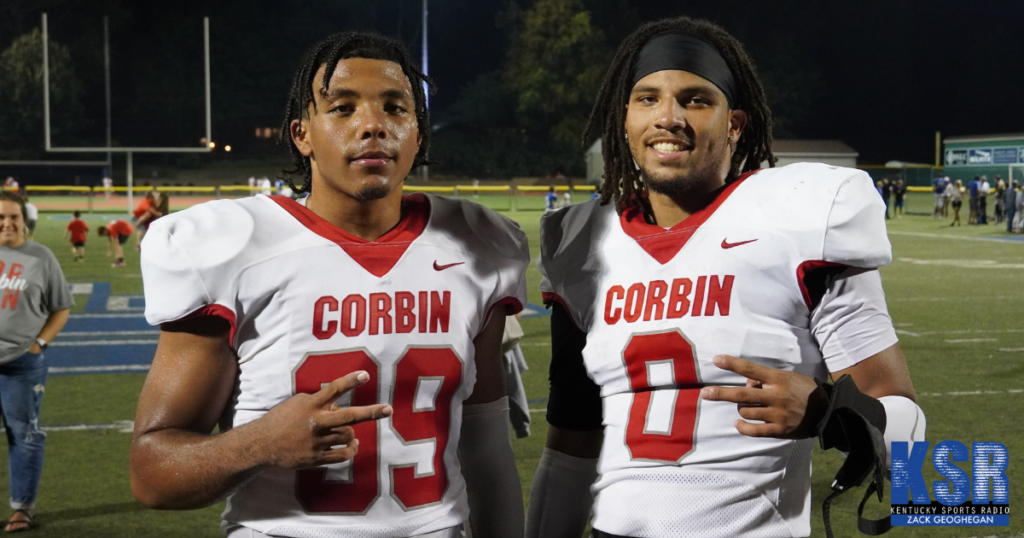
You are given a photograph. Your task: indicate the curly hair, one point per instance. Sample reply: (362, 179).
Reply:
(328, 52)
(623, 182)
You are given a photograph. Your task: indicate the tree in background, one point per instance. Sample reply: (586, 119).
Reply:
(554, 67)
(791, 84)
(21, 92)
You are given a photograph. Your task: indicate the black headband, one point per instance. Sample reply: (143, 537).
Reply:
(679, 51)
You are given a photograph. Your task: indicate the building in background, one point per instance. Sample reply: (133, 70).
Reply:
(999, 154)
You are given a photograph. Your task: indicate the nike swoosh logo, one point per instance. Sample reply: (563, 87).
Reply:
(726, 244)
(443, 267)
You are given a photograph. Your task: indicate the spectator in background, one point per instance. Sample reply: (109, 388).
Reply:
(78, 232)
(1010, 204)
(1018, 225)
(945, 196)
(956, 195)
(31, 218)
(551, 199)
(34, 308)
(972, 192)
(108, 187)
(118, 233)
(999, 206)
(886, 194)
(983, 190)
(900, 194)
(938, 189)
(11, 184)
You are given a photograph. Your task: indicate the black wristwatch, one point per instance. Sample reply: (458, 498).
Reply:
(43, 344)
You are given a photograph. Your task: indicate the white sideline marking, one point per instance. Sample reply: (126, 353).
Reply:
(944, 236)
(109, 333)
(133, 315)
(92, 369)
(126, 426)
(972, 392)
(962, 331)
(969, 340)
(81, 288)
(539, 344)
(545, 410)
(1012, 349)
(965, 264)
(102, 343)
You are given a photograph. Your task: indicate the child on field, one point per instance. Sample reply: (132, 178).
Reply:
(117, 233)
(78, 231)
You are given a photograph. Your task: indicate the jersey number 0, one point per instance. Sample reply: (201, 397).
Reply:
(666, 396)
(436, 367)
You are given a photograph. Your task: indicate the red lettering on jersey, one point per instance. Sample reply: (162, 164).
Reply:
(353, 315)
(405, 319)
(678, 301)
(611, 317)
(698, 297)
(319, 330)
(634, 302)
(658, 300)
(16, 269)
(422, 311)
(656, 293)
(380, 310)
(719, 294)
(439, 311)
(2, 265)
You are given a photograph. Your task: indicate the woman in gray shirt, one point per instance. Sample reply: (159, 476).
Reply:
(34, 305)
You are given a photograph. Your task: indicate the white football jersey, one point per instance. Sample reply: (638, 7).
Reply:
(309, 303)
(658, 304)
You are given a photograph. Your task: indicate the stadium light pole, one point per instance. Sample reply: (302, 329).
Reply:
(426, 89)
(106, 82)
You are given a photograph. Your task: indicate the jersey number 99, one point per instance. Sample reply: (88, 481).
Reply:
(436, 369)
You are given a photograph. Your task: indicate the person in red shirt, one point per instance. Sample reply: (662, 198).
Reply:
(78, 231)
(118, 232)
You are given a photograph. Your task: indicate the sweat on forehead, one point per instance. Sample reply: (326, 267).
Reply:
(679, 51)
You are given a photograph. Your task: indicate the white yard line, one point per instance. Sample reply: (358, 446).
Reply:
(945, 237)
(122, 425)
(972, 392)
(127, 315)
(971, 340)
(77, 343)
(110, 333)
(98, 369)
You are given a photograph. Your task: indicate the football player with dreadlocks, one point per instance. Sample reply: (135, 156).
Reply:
(348, 344)
(699, 307)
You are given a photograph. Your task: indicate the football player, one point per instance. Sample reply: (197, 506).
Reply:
(348, 344)
(698, 307)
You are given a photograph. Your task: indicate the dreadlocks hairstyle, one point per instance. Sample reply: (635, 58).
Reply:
(328, 52)
(623, 182)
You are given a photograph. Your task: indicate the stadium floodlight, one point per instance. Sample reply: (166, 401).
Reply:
(204, 148)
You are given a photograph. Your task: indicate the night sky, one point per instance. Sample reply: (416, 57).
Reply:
(884, 75)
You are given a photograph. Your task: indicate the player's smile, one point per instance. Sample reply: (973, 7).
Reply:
(678, 125)
(667, 149)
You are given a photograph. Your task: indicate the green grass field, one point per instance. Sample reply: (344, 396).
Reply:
(956, 296)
